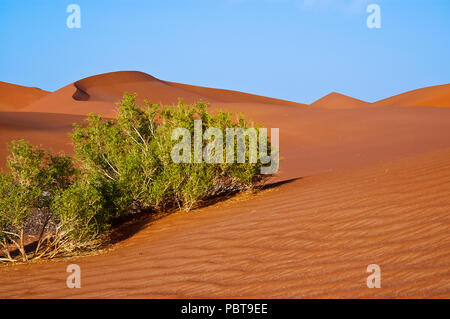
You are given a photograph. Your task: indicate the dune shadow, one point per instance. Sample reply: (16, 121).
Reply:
(80, 94)
(280, 183)
(127, 226)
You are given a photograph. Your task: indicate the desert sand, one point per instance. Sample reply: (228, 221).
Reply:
(336, 100)
(14, 97)
(438, 96)
(360, 183)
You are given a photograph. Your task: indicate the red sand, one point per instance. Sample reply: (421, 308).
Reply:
(14, 97)
(438, 95)
(339, 101)
(373, 187)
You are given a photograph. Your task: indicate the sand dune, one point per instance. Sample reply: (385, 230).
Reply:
(338, 101)
(15, 97)
(62, 101)
(313, 237)
(309, 138)
(318, 140)
(110, 87)
(46, 129)
(438, 95)
(371, 185)
(99, 93)
(228, 96)
(310, 135)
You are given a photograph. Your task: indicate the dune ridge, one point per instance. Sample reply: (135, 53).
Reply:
(336, 100)
(438, 96)
(98, 93)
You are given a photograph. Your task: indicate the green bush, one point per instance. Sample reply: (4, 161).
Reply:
(122, 166)
(134, 155)
(34, 179)
(83, 210)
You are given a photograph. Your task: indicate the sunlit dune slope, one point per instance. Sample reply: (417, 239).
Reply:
(309, 136)
(15, 97)
(313, 237)
(99, 93)
(228, 96)
(338, 101)
(311, 140)
(438, 95)
(49, 130)
(317, 140)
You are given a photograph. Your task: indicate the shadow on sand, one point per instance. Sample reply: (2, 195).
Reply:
(127, 226)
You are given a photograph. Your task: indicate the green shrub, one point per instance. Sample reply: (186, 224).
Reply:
(34, 179)
(83, 210)
(134, 155)
(123, 166)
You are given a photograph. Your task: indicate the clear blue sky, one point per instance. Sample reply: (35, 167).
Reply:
(292, 49)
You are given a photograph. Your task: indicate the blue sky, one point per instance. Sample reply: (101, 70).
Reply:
(298, 50)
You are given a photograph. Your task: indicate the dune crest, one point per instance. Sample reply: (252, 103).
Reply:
(438, 95)
(336, 100)
(98, 93)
